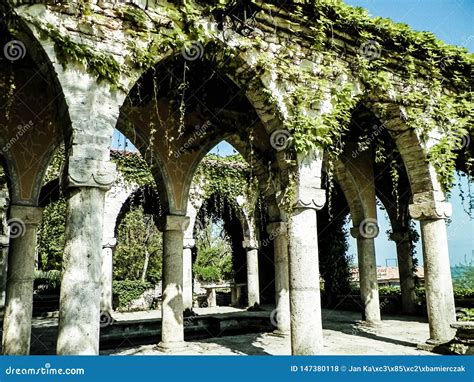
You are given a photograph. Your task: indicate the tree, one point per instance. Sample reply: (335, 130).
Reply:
(214, 254)
(138, 255)
(51, 236)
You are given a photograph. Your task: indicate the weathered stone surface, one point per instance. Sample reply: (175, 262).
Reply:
(305, 299)
(79, 313)
(172, 334)
(278, 231)
(24, 221)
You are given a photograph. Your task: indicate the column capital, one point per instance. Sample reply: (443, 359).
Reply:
(109, 242)
(310, 197)
(189, 243)
(25, 215)
(174, 223)
(83, 172)
(367, 229)
(250, 244)
(430, 210)
(277, 228)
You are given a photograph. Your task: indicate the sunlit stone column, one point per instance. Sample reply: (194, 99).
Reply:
(281, 318)
(4, 243)
(438, 283)
(106, 279)
(369, 290)
(188, 273)
(80, 299)
(253, 284)
(405, 269)
(172, 329)
(24, 221)
(305, 298)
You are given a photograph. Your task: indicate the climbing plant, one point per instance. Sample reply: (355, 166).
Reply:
(428, 78)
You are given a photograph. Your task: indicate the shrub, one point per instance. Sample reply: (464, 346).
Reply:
(465, 314)
(389, 291)
(47, 281)
(125, 291)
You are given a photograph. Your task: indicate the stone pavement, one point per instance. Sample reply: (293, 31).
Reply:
(344, 333)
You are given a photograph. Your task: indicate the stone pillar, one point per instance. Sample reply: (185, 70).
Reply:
(24, 221)
(253, 285)
(438, 283)
(108, 246)
(305, 298)
(235, 295)
(4, 243)
(172, 329)
(188, 274)
(405, 270)
(211, 297)
(369, 291)
(279, 233)
(80, 299)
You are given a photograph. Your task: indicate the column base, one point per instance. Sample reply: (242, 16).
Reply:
(170, 347)
(435, 346)
(254, 308)
(189, 313)
(280, 334)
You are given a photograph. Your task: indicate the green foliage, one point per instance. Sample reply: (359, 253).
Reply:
(47, 282)
(133, 168)
(444, 101)
(465, 314)
(51, 235)
(125, 291)
(103, 65)
(464, 277)
(459, 293)
(334, 261)
(389, 291)
(214, 258)
(226, 176)
(134, 15)
(138, 254)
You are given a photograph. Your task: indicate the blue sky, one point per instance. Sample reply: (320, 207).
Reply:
(453, 22)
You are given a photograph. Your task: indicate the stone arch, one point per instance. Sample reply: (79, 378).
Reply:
(171, 166)
(413, 148)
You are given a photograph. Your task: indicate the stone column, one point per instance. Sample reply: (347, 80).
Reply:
(405, 270)
(253, 285)
(172, 329)
(188, 273)
(369, 290)
(4, 243)
(211, 297)
(80, 299)
(24, 221)
(305, 298)
(438, 283)
(279, 233)
(235, 295)
(108, 246)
